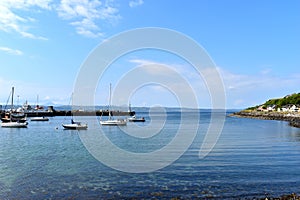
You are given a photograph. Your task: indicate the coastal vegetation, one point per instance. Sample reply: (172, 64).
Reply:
(292, 99)
(285, 109)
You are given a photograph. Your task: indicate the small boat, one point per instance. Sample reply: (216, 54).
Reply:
(113, 122)
(10, 118)
(135, 119)
(39, 119)
(14, 124)
(110, 121)
(75, 126)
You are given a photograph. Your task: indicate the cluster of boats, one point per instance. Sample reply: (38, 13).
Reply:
(18, 119)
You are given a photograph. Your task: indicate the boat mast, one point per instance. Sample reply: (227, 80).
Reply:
(12, 98)
(109, 103)
(71, 106)
(37, 102)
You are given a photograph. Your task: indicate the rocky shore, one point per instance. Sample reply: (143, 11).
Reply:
(292, 118)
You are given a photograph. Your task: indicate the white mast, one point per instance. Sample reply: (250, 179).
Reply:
(109, 103)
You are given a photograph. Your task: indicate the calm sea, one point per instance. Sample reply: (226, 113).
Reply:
(252, 158)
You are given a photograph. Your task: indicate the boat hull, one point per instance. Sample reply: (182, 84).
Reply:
(6, 120)
(75, 126)
(113, 123)
(134, 119)
(14, 125)
(39, 119)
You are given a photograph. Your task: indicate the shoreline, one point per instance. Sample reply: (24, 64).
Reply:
(292, 118)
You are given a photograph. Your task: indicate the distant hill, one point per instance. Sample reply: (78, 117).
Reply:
(292, 99)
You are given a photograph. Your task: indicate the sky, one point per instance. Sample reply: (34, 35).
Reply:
(254, 44)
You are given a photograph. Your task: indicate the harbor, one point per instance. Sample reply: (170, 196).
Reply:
(51, 112)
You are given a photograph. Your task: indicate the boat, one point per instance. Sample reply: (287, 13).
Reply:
(111, 121)
(39, 119)
(114, 122)
(9, 117)
(13, 120)
(135, 119)
(75, 126)
(14, 124)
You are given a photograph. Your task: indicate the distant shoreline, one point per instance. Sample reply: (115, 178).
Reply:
(292, 118)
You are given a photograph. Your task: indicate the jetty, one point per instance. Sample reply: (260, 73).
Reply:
(51, 112)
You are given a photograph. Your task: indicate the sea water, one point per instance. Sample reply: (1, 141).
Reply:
(251, 158)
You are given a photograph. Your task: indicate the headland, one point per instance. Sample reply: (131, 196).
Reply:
(285, 109)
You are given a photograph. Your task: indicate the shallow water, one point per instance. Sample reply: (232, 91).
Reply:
(252, 158)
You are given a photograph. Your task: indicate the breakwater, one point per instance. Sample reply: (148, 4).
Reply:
(54, 113)
(292, 118)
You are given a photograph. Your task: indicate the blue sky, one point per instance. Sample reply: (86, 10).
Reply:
(255, 45)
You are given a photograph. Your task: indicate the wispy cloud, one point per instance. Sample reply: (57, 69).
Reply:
(86, 15)
(246, 90)
(11, 21)
(242, 90)
(11, 51)
(135, 3)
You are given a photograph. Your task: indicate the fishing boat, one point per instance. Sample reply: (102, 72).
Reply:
(75, 125)
(135, 119)
(111, 121)
(37, 118)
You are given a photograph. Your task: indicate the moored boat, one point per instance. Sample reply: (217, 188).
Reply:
(39, 119)
(111, 121)
(135, 119)
(13, 119)
(75, 126)
(14, 124)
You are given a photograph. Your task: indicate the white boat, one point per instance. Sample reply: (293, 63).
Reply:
(114, 122)
(39, 119)
(14, 124)
(14, 120)
(135, 119)
(110, 121)
(75, 126)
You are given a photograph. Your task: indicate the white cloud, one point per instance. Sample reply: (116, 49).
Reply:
(11, 21)
(85, 15)
(246, 90)
(11, 51)
(135, 3)
(242, 90)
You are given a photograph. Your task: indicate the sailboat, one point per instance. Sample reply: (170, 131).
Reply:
(111, 121)
(75, 125)
(11, 122)
(43, 118)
